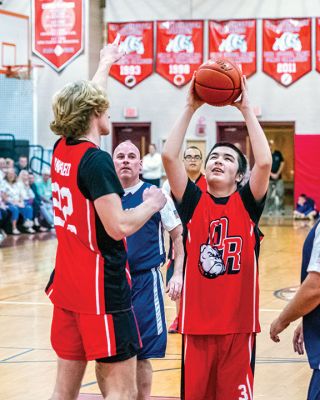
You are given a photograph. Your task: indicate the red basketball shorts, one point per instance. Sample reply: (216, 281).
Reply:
(106, 338)
(218, 367)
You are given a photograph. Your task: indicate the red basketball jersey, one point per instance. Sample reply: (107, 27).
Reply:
(220, 293)
(84, 279)
(201, 182)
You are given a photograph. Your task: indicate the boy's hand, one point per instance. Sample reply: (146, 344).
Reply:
(243, 104)
(111, 53)
(193, 100)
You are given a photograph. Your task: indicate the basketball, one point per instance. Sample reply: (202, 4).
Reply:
(218, 82)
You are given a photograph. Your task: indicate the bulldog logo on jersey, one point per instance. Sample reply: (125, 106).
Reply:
(210, 263)
(222, 253)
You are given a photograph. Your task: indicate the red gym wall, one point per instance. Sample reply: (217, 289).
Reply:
(307, 166)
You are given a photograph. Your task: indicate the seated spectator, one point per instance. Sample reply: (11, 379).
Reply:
(12, 196)
(3, 168)
(22, 164)
(9, 163)
(42, 208)
(4, 218)
(44, 186)
(27, 196)
(305, 208)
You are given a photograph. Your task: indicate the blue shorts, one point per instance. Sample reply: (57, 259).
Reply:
(147, 299)
(314, 387)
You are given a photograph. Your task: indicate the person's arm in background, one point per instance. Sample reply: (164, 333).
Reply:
(275, 175)
(174, 286)
(172, 223)
(308, 296)
(259, 178)
(306, 299)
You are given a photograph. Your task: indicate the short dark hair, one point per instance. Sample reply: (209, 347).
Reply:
(242, 161)
(194, 148)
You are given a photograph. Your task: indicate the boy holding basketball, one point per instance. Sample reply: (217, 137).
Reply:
(219, 304)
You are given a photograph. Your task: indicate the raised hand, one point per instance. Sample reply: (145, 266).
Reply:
(193, 100)
(111, 53)
(243, 104)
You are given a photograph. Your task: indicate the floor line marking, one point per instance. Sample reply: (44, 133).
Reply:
(26, 303)
(17, 355)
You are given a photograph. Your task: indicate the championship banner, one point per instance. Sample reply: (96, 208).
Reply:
(137, 43)
(236, 40)
(287, 49)
(318, 44)
(57, 31)
(179, 50)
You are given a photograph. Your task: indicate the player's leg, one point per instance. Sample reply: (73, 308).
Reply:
(236, 366)
(68, 381)
(144, 379)
(199, 367)
(314, 387)
(148, 304)
(117, 380)
(67, 343)
(280, 194)
(269, 200)
(113, 341)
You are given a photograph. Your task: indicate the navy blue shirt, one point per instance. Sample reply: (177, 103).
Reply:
(146, 246)
(311, 321)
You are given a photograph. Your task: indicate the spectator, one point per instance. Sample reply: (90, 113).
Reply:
(44, 186)
(276, 186)
(9, 163)
(22, 164)
(4, 218)
(13, 199)
(152, 166)
(3, 168)
(305, 208)
(27, 196)
(42, 207)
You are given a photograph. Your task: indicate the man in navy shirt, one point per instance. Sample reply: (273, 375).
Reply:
(146, 254)
(306, 304)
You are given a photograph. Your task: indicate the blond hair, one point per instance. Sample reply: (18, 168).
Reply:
(73, 107)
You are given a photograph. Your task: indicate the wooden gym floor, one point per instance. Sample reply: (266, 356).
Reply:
(27, 363)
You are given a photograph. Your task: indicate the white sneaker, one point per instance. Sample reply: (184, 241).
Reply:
(15, 231)
(28, 223)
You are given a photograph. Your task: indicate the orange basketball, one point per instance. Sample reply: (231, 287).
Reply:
(218, 82)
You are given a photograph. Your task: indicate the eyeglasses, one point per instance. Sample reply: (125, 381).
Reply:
(195, 158)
